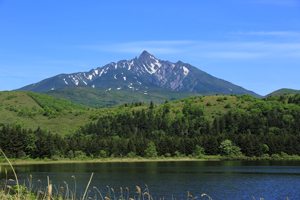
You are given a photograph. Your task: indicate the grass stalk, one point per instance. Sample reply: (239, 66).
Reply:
(13, 172)
(87, 186)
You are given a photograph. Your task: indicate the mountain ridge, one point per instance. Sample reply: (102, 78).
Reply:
(142, 73)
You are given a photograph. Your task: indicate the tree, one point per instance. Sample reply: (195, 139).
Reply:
(151, 105)
(151, 150)
(228, 149)
(199, 151)
(30, 141)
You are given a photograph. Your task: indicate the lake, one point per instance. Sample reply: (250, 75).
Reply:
(218, 179)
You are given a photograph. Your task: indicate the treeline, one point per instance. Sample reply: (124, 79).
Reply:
(21, 143)
(255, 128)
(258, 118)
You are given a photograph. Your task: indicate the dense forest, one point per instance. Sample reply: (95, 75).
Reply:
(253, 127)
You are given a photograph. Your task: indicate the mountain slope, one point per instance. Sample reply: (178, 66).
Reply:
(99, 98)
(141, 74)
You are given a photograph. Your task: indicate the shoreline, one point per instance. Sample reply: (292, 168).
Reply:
(106, 160)
(127, 160)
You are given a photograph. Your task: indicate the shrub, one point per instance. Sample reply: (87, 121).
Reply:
(131, 155)
(208, 103)
(220, 99)
(275, 156)
(228, 105)
(102, 154)
(80, 155)
(167, 155)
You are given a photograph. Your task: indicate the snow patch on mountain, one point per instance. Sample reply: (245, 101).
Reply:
(130, 64)
(124, 78)
(75, 81)
(185, 71)
(65, 81)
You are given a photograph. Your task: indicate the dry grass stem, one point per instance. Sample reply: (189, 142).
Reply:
(87, 186)
(98, 192)
(202, 195)
(13, 172)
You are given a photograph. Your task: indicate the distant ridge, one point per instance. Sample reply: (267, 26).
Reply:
(92, 97)
(283, 91)
(141, 74)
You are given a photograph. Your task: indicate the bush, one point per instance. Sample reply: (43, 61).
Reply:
(94, 116)
(167, 155)
(80, 155)
(131, 155)
(228, 105)
(103, 154)
(275, 156)
(208, 103)
(220, 99)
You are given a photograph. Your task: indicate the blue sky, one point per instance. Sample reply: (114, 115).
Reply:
(251, 43)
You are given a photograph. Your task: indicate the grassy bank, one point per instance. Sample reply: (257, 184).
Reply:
(143, 159)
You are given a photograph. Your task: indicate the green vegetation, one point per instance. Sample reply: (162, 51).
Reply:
(249, 128)
(91, 97)
(282, 91)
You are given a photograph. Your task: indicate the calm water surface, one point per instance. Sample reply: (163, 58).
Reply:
(220, 180)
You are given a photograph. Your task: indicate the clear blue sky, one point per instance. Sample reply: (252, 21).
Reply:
(251, 43)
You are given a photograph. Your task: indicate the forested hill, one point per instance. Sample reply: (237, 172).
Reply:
(255, 127)
(282, 91)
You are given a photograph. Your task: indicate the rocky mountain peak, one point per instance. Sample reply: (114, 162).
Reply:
(141, 73)
(145, 55)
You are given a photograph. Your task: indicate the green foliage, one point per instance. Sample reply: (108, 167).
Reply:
(151, 152)
(220, 99)
(100, 98)
(228, 149)
(94, 116)
(208, 103)
(70, 155)
(52, 103)
(199, 152)
(80, 155)
(131, 155)
(228, 105)
(103, 154)
(10, 97)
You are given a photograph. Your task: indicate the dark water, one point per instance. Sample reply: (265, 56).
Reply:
(220, 180)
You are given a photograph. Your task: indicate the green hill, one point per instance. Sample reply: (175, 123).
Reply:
(282, 92)
(192, 126)
(33, 110)
(57, 115)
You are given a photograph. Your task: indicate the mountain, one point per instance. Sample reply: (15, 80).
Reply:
(283, 91)
(141, 74)
(92, 97)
